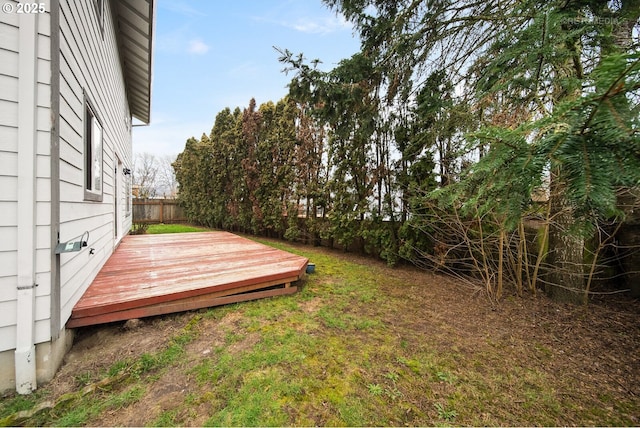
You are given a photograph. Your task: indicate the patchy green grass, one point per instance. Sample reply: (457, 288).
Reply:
(360, 344)
(174, 228)
(83, 409)
(18, 403)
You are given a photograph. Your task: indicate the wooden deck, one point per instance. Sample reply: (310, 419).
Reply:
(158, 274)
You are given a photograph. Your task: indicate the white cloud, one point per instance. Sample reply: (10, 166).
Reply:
(198, 47)
(312, 25)
(323, 25)
(180, 40)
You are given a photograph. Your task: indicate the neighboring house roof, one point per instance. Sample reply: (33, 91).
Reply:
(134, 22)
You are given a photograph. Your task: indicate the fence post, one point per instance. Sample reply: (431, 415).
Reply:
(161, 210)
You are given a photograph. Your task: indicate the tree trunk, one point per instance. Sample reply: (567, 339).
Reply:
(565, 279)
(628, 237)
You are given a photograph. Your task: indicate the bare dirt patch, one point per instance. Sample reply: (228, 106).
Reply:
(590, 351)
(96, 348)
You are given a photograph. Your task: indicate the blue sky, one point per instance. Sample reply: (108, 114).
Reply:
(212, 54)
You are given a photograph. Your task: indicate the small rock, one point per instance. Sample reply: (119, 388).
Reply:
(133, 324)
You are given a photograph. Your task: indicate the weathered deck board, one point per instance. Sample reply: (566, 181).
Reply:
(156, 274)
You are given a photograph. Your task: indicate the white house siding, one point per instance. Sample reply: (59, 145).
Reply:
(86, 62)
(89, 62)
(9, 147)
(9, 28)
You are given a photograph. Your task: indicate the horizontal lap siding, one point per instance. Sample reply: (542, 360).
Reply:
(43, 181)
(9, 146)
(89, 61)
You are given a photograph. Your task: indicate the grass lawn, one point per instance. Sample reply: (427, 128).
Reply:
(174, 228)
(360, 344)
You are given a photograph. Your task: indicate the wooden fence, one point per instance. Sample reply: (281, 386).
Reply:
(157, 211)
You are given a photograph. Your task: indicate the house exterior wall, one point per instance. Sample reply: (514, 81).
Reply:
(12, 104)
(90, 71)
(87, 69)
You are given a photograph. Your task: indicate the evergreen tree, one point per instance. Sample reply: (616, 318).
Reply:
(309, 190)
(224, 138)
(275, 158)
(342, 100)
(250, 213)
(192, 173)
(556, 88)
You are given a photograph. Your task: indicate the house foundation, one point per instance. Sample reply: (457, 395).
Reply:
(49, 358)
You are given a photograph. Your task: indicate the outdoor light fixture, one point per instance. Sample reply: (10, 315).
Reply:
(74, 245)
(126, 171)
